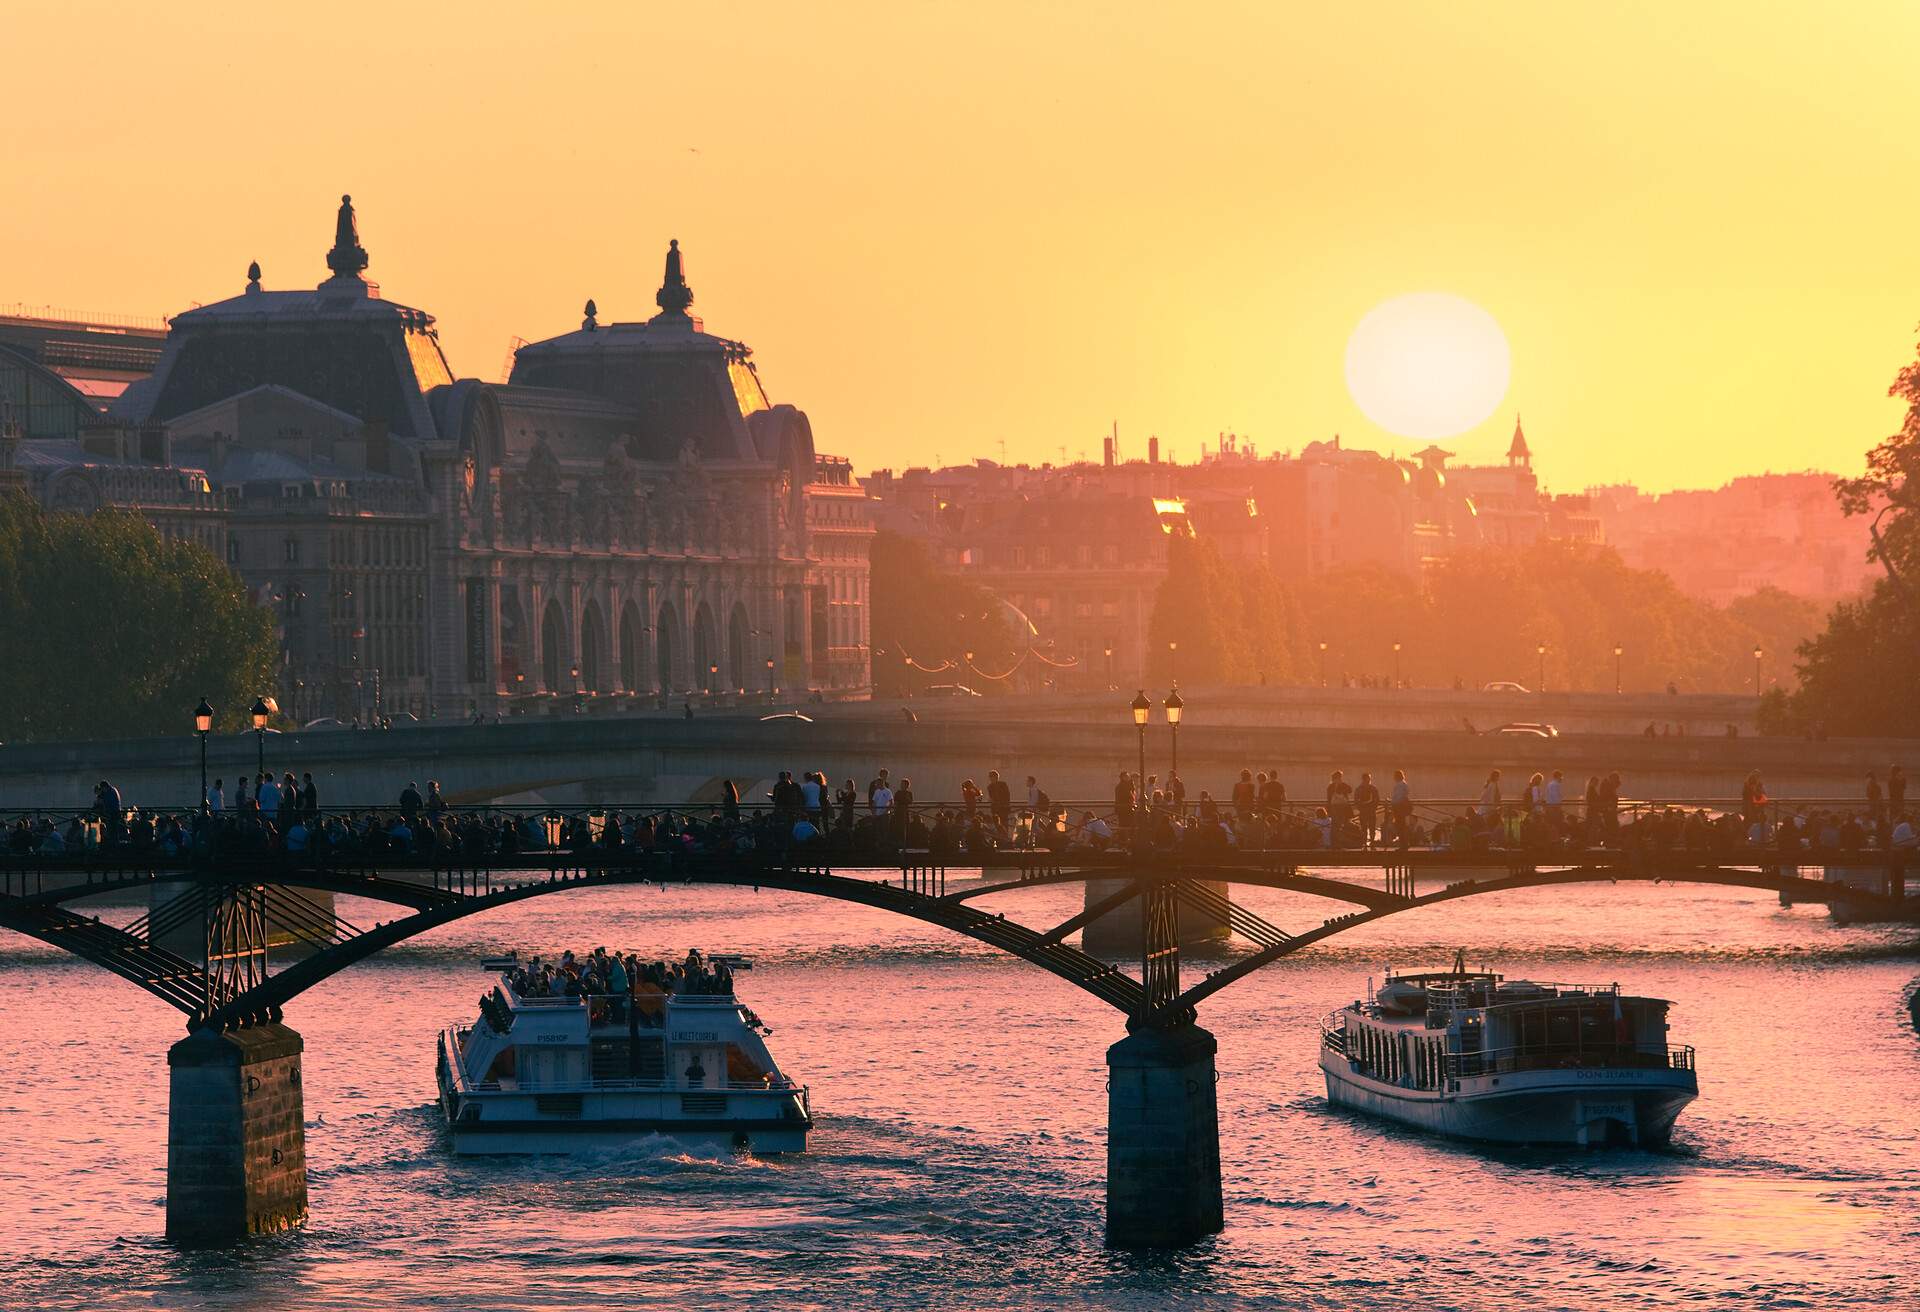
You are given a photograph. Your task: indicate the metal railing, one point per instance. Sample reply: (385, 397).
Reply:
(1501, 1061)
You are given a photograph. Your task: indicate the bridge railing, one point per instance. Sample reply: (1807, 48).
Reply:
(936, 833)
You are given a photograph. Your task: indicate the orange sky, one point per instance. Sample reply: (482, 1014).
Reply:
(944, 226)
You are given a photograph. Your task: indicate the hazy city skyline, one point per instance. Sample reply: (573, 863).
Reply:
(1055, 224)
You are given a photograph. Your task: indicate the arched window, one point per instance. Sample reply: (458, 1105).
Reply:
(706, 649)
(666, 638)
(593, 650)
(629, 648)
(739, 650)
(553, 631)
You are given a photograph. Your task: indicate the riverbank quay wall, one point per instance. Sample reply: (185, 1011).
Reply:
(667, 759)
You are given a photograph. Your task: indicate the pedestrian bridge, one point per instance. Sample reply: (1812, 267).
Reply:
(236, 1139)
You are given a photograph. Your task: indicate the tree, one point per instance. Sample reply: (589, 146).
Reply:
(924, 614)
(1857, 677)
(113, 632)
(1202, 606)
(1890, 493)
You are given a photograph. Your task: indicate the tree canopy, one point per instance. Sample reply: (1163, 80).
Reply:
(922, 613)
(1478, 616)
(111, 631)
(1857, 677)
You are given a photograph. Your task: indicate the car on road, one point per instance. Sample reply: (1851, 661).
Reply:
(947, 690)
(1503, 685)
(1526, 729)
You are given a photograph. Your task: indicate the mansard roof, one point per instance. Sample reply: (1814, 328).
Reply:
(340, 344)
(683, 384)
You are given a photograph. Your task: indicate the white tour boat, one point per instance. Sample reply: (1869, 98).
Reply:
(1472, 1054)
(554, 1075)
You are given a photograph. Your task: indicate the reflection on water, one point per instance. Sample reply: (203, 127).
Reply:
(960, 1155)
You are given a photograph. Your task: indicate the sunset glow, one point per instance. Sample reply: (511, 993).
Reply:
(1046, 222)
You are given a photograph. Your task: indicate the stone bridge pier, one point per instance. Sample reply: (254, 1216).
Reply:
(1163, 1139)
(236, 1134)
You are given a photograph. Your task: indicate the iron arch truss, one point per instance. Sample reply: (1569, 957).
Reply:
(203, 947)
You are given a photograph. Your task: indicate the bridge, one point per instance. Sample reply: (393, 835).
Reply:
(1075, 744)
(236, 1137)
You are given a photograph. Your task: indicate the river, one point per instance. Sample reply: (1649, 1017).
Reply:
(959, 1157)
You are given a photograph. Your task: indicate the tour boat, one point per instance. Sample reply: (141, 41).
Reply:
(555, 1075)
(1472, 1054)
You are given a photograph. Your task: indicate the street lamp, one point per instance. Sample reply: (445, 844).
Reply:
(1396, 665)
(906, 664)
(1142, 708)
(1323, 665)
(1541, 651)
(1109, 665)
(771, 690)
(1174, 707)
(1617, 649)
(203, 725)
(1756, 671)
(713, 677)
(1173, 661)
(260, 713)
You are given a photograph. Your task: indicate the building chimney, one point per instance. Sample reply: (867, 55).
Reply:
(1153, 450)
(1107, 443)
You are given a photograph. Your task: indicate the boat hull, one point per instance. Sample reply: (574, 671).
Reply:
(1571, 1108)
(519, 1122)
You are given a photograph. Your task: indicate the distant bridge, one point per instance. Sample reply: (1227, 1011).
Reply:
(666, 759)
(236, 1140)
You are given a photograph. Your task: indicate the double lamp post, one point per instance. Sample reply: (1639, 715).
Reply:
(1142, 709)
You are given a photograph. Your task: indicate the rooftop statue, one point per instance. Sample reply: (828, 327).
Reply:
(674, 295)
(348, 257)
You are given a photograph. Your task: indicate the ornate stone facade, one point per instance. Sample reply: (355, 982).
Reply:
(626, 519)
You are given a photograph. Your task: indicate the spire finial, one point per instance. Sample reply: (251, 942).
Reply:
(253, 276)
(348, 257)
(592, 321)
(674, 296)
(1518, 452)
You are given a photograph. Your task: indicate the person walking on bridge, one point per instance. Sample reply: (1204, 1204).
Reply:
(410, 801)
(1490, 794)
(1366, 799)
(1339, 809)
(1401, 804)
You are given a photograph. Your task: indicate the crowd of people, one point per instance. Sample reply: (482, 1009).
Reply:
(615, 984)
(806, 814)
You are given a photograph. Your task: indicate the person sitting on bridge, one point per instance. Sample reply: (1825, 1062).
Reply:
(1903, 838)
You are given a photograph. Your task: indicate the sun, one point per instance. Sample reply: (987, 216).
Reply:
(1428, 364)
